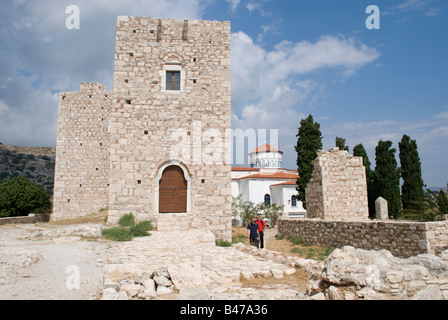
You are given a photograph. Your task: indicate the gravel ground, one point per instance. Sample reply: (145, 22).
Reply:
(43, 262)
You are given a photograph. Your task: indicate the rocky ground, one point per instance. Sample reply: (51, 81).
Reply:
(72, 261)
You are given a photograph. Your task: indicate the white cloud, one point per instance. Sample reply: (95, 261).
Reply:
(234, 4)
(39, 56)
(433, 12)
(430, 134)
(273, 89)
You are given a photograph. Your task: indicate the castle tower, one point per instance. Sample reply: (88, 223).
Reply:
(166, 118)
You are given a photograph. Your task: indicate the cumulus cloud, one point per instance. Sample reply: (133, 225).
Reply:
(234, 4)
(39, 56)
(274, 89)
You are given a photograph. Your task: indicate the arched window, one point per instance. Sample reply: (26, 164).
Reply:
(267, 200)
(293, 201)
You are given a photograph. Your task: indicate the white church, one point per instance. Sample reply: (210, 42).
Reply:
(266, 181)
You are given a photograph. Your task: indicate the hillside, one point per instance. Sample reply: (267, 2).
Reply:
(35, 163)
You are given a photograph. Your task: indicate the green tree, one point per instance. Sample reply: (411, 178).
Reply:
(340, 143)
(271, 212)
(19, 196)
(387, 177)
(309, 141)
(244, 209)
(412, 193)
(360, 151)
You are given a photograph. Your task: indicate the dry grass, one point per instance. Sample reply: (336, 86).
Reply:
(271, 242)
(99, 217)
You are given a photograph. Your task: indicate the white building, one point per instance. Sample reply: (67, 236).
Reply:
(266, 181)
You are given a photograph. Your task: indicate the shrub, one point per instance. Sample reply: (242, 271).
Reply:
(127, 220)
(141, 229)
(117, 234)
(222, 243)
(127, 229)
(19, 196)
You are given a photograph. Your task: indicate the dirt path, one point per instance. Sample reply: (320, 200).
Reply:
(41, 268)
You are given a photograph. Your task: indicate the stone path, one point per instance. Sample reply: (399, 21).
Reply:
(38, 262)
(197, 268)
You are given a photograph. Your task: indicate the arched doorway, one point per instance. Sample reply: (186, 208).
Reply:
(173, 190)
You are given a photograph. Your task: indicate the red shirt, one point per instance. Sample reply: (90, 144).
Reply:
(261, 224)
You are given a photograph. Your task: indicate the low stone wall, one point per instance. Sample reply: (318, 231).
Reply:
(401, 238)
(31, 218)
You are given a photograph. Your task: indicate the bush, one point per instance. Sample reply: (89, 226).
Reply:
(127, 220)
(222, 243)
(127, 229)
(117, 234)
(19, 196)
(141, 229)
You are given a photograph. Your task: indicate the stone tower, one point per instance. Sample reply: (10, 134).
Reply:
(120, 149)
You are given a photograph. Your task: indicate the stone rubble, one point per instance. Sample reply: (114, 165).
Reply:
(190, 266)
(352, 274)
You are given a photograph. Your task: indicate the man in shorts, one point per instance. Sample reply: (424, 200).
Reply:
(252, 232)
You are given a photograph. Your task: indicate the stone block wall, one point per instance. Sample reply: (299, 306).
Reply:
(31, 218)
(338, 188)
(82, 156)
(146, 117)
(403, 239)
(141, 124)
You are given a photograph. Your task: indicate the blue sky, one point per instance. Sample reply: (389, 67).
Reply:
(289, 59)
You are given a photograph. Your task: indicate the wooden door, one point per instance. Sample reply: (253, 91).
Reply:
(172, 190)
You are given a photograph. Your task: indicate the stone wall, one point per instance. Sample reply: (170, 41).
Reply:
(31, 218)
(403, 239)
(338, 188)
(112, 147)
(82, 157)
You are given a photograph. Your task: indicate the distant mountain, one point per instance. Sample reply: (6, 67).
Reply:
(436, 189)
(35, 163)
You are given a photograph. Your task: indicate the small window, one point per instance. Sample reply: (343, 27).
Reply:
(293, 201)
(267, 200)
(173, 80)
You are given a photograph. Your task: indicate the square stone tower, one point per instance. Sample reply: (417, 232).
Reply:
(156, 145)
(337, 189)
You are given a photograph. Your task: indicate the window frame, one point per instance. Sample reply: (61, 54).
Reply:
(172, 67)
(267, 196)
(171, 84)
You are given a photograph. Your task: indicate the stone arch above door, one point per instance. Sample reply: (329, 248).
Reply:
(182, 184)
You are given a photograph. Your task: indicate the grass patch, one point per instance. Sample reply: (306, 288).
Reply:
(315, 253)
(222, 243)
(295, 241)
(239, 238)
(127, 220)
(127, 229)
(141, 229)
(117, 234)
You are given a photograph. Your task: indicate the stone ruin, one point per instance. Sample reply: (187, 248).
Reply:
(337, 213)
(338, 187)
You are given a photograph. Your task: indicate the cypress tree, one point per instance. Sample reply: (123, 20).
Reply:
(411, 172)
(309, 141)
(360, 151)
(340, 143)
(387, 177)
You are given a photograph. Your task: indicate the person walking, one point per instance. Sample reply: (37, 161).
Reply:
(261, 226)
(252, 232)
